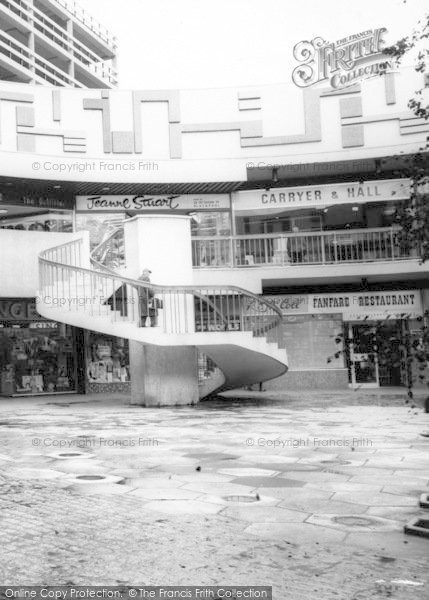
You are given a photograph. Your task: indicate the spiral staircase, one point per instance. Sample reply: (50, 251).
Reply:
(236, 329)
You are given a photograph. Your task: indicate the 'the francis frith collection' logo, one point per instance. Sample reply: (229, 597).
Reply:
(343, 63)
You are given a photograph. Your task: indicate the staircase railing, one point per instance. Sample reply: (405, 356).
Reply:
(109, 254)
(65, 284)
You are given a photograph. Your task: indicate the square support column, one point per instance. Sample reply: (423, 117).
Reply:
(162, 375)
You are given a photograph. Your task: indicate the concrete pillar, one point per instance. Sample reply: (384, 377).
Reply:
(161, 243)
(31, 41)
(71, 63)
(162, 375)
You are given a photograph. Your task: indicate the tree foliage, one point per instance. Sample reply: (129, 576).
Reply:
(408, 348)
(413, 216)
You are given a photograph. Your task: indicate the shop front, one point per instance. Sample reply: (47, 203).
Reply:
(102, 215)
(36, 356)
(334, 340)
(107, 363)
(36, 212)
(327, 223)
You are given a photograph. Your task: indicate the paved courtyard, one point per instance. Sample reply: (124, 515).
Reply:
(307, 492)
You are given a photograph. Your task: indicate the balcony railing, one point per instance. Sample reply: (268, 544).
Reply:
(315, 248)
(34, 66)
(86, 19)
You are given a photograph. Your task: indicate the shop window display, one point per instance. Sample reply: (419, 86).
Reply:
(107, 359)
(58, 221)
(37, 358)
(210, 224)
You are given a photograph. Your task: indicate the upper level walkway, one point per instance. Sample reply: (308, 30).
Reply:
(309, 248)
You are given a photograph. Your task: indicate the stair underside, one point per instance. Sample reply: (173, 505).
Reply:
(243, 358)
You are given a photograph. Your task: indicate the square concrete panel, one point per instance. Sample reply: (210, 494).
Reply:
(25, 116)
(352, 136)
(351, 107)
(25, 142)
(122, 142)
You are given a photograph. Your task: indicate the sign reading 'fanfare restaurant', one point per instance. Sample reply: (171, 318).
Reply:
(397, 304)
(323, 195)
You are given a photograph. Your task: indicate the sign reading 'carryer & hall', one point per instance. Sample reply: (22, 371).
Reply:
(322, 195)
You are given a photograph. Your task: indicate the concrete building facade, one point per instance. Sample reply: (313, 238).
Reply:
(56, 43)
(291, 194)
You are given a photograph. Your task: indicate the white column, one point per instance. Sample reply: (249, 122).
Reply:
(163, 375)
(161, 243)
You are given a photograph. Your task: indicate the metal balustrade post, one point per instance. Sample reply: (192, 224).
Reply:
(322, 247)
(113, 307)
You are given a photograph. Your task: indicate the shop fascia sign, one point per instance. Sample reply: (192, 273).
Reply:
(323, 195)
(36, 201)
(14, 309)
(353, 306)
(404, 301)
(343, 63)
(145, 203)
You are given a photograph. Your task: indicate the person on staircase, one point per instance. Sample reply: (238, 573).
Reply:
(145, 296)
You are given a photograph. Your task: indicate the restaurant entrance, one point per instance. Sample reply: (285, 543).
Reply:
(367, 367)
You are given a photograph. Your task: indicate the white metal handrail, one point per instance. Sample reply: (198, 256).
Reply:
(65, 283)
(319, 247)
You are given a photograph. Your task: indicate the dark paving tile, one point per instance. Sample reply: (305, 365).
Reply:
(272, 482)
(223, 464)
(211, 456)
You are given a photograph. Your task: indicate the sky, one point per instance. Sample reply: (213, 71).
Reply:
(218, 43)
